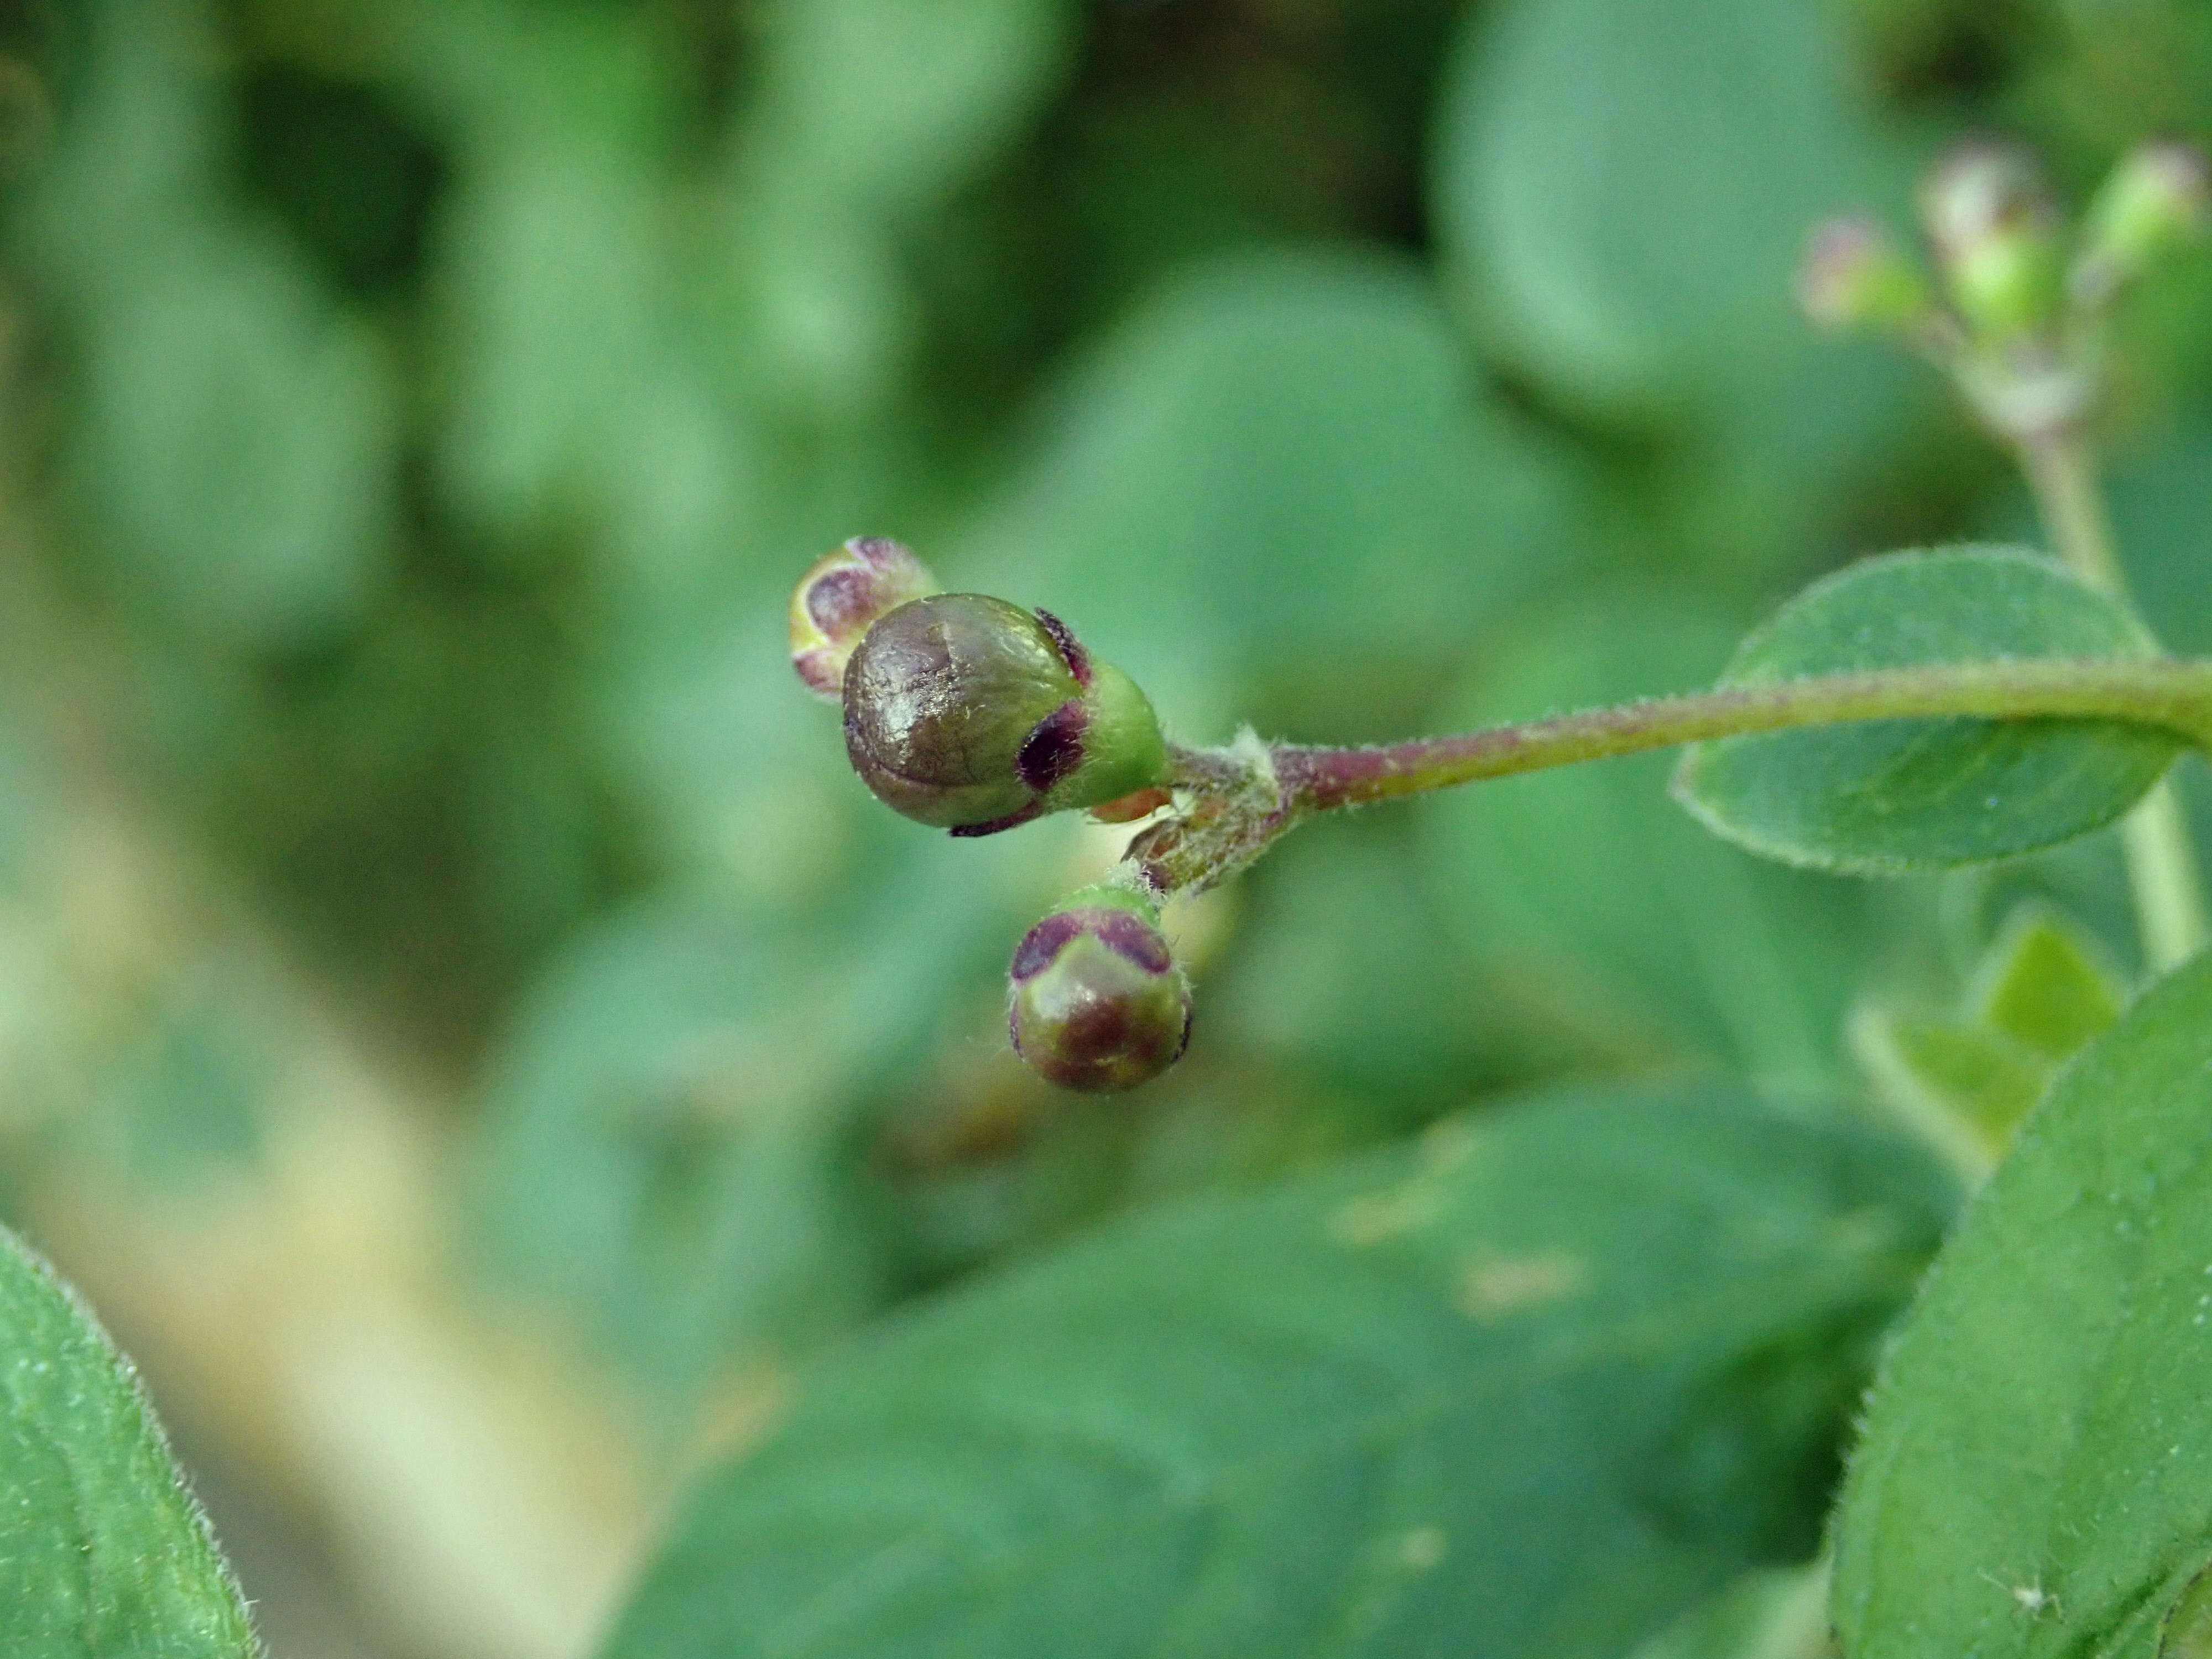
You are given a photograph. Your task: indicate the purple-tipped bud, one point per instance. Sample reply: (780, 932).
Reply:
(1995, 232)
(1855, 275)
(2158, 197)
(973, 715)
(1098, 1003)
(843, 595)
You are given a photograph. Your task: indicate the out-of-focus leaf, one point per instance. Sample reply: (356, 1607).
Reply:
(1781, 1612)
(1965, 1079)
(867, 111)
(1882, 796)
(1278, 459)
(1530, 1389)
(2042, 987)
(2162, 522)
(1594, 900)
(654, 1155)
(670, 1145)
(2036, 1473)
(883, 103)
(1343, 972)
(236, 444)
(103, 1553)
(1621, 192)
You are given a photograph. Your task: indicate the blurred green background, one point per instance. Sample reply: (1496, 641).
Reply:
(460, 1018)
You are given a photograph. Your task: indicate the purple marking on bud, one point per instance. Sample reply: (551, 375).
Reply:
(842, 601)
(1129, 937)
(1043, 942)
(880, 552)
(822, 670)
(991, 827)
(1071, 650)
(1126, 935)
(1053, 747)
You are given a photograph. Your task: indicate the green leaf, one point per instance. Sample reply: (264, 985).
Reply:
(103, 1553)
(1277, 458)
(1621, 191)
(1531, 1388)
(1781, 1612)
(1603, 910)
(1882, 796)
(2042, 986)
(1966, 1081)
(2036, 1475)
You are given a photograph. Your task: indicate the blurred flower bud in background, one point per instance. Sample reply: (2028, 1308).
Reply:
(2155, 198)
(1854, 275)
(1995, 232)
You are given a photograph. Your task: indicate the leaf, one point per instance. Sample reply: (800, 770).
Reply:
(2042, 986)
(1621, 191)
(667, 1148)
(1278, 460)
(1529, 1389)
(1781, 1612)
(103, 1553)
(1882, 796)
(2036, 1473)
(1597, 904)
(1965, 1081)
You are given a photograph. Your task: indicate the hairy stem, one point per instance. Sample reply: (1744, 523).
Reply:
(2168, 693)
(2162, 870)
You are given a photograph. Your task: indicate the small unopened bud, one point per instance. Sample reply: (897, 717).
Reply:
(2156, 198)
(1098, 1003)
(1995, 232)
(973, 714)
(1855, 275)
(841, 597)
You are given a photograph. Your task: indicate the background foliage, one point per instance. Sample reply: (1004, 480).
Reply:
(459, 1016)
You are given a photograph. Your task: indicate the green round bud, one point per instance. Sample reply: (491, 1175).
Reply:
(2157, 197)
(841, 597)
(1098, 1003)
(1995, 232)
(1854, 275)
(970, 714)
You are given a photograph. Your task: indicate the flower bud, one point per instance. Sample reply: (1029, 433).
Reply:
(2159, 196)
(1855, 275)
(1995, 232)
(842, 596)
(1098, 1003)
(973, 714)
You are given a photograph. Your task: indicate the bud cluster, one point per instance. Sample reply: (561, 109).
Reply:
(972, 714)
(2011, 312)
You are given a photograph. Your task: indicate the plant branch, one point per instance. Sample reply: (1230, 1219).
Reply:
(2165, 692)
(2162, 871)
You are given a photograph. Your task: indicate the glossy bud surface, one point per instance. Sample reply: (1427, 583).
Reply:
(970, 714)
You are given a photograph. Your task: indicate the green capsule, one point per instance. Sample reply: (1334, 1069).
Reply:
(1098, 1003)
(970, 714)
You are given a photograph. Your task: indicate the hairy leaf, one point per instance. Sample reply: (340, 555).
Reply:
(1881, 797)
(1530, 1389)
(103, 1553)
(2036, 1476)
